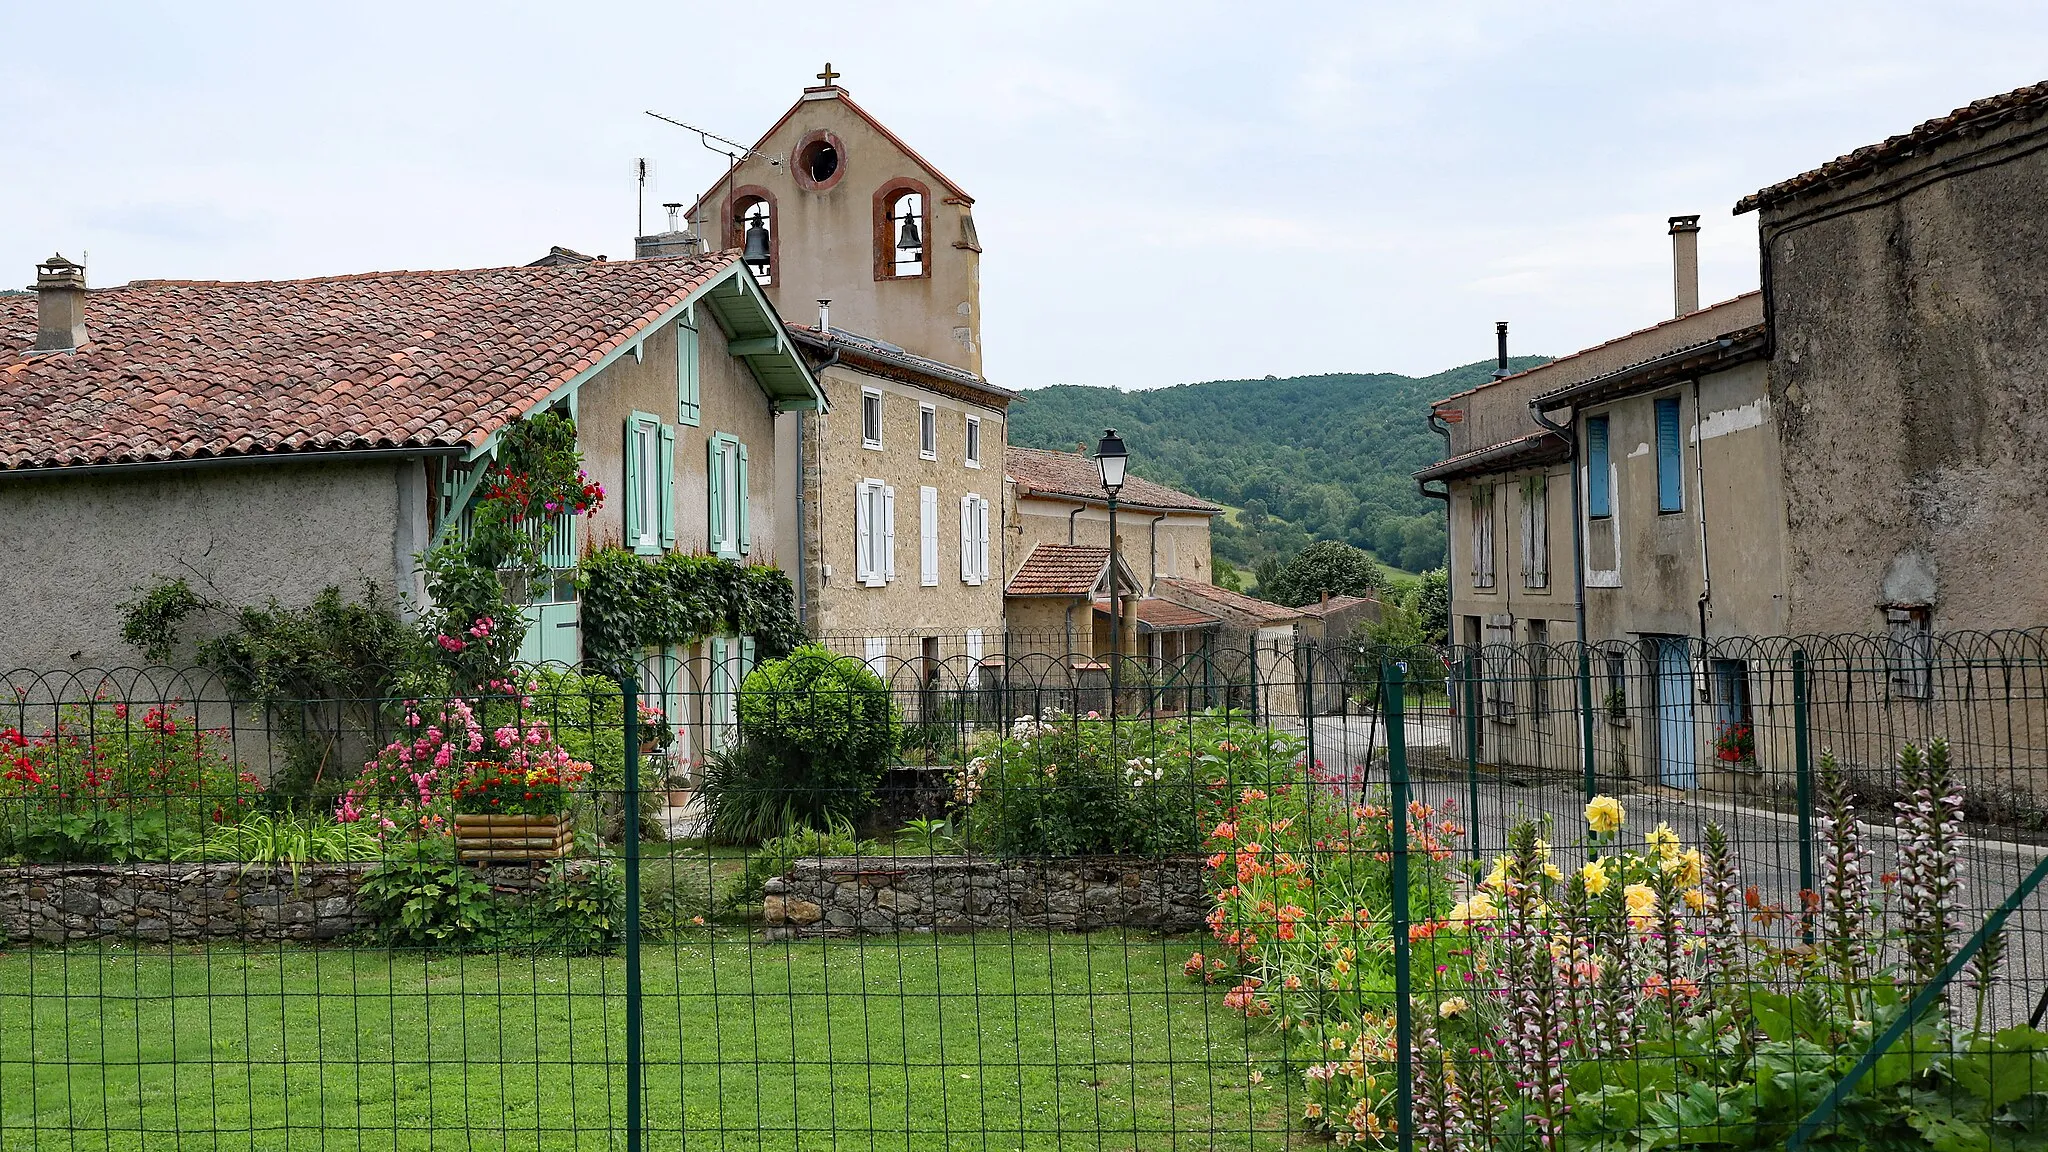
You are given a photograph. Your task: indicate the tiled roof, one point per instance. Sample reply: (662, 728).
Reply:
(1156, 615)
(1334, 604)
(1263, 611)
(1977, 116)
(1060, 570)
(881, 358)
(1535, 448)
(1551, 367)
(1074, 477)
(195, 369)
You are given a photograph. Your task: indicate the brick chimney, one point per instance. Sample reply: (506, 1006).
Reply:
(1685, 265)
(60, 305)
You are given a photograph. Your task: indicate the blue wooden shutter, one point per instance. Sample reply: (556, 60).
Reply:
(633, 511)
(1670, 460)
(665, 484)
(686, 369)
(746, 528)
(1599, 495)
(715, 488)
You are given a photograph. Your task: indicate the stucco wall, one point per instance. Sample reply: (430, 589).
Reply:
(840, 604)
(729, 400)
(80, 546)
(825, 240)
(1179, 546)
(1910, 384)
(1509, 598)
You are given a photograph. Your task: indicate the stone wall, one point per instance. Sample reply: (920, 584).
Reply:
(847, 896)
(55, 903)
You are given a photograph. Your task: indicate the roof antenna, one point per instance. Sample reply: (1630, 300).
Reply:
(644, 170)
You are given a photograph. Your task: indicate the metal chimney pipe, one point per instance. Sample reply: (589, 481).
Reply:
(1500, 367)
(825, 316)
(1685, 265)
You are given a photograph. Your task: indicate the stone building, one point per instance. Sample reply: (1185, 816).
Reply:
(268, 439)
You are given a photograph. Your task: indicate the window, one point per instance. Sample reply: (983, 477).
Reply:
(650, 484)
(754, 209)
(1615, 702)
(1498, 659)
(1599, 474)
(732, 657)
(1536, 531)
(1670, 459)
(927, 432)
(1909, 632)
(974, 645)
(731, 536)
(973, 539)
(902, 227)
(686, 369)
(870, 418)
(974, 441)
(820, 160)
(1734, 726)
(928, 537)
(876, 651)
(874, 516)
(1482, 536)
(1539, 669)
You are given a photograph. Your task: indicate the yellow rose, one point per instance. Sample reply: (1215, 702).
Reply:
(1452, 1008)
(1689, 867)
(1595, 876)
(1695, 899)
(1479, 907)
(1552, 871)
(1498, 878)
(1604, 814)
(1663, 840)
(1642, 901)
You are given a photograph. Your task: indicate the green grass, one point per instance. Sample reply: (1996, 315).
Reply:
(990, 1042)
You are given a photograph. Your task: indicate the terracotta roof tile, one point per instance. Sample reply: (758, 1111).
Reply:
(192, 369)
(1324, 608)
(1263, 611)
(1164, 615)
(2020, 103)
(1060, 570)
(1074, 477)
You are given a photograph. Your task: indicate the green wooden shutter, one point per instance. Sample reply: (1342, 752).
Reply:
(746, 657)
(746, 528)
(1670, 458)
(666, 486)
(686, 369)
(1599, 493)
(714, 489)
(633, 464)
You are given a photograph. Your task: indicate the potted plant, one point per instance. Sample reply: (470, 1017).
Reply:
(1736, 743)
(515, 806)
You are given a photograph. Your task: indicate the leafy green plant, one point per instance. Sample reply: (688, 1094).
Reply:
(579, 907)
(929, 836)
(422, 897)
(289, 839)
(631, 604)
(775, 856)
(1329, 567)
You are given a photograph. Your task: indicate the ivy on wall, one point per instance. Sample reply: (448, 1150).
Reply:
(631, 604)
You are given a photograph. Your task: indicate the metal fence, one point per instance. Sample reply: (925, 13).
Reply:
(1658, 895)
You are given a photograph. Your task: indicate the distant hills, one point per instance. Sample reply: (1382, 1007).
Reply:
(1296, 459)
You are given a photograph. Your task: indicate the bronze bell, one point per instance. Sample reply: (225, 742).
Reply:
(756, 255)
(910, 240)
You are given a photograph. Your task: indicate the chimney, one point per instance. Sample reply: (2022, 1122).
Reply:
(677, 241)
(60, 305)
(1685, 265)
(1500, 364)
(825, 317)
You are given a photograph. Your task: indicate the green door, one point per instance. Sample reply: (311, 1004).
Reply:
(552, 634)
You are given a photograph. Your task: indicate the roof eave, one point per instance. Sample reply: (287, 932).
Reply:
(1727, 351)
(1521, 452)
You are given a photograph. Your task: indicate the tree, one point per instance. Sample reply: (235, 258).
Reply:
(1227, 576)
(1432, 605)
(1328, 566)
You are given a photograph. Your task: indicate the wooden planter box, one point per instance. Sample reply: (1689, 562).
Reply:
(486, 837)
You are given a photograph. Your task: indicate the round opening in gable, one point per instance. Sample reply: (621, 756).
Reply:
(820, 161)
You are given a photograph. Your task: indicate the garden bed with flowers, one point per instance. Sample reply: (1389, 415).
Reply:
(1625, 990)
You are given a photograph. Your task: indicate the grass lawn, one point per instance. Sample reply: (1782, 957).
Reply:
(996, 1041)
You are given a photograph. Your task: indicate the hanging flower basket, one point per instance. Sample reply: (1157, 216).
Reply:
(480, 837)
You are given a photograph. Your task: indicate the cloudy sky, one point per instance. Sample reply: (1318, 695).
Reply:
(1166, 192)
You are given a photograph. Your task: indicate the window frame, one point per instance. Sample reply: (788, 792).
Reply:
(885, 200)
(1535, 522)
(649, 484)
(971, 451)
(871, 443)
(728, 503)
(927, 536)
(1599, 468)
(1485, 560)
(927, 431)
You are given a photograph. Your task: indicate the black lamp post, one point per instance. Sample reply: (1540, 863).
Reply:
(1110, 458)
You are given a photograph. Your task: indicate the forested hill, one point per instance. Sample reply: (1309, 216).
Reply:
(1304, 458)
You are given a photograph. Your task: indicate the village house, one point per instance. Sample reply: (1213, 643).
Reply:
(268, 439)
(893, 518)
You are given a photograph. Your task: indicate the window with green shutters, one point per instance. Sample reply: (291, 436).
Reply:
(728, 514)
(650, 510)
(687, 409)
(1599, 475)
(1670, 458)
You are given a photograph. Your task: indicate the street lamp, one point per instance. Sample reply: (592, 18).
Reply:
(1110, 458)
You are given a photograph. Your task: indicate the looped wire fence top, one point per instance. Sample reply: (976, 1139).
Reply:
(1662, 894)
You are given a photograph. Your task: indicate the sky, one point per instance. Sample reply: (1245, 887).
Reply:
(1165, 193)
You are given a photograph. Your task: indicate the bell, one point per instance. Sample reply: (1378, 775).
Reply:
(910, 240)
(756, 255)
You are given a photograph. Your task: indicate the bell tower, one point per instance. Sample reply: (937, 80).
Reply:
(830, 204)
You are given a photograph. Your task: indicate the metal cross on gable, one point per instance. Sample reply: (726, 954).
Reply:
(828, 75)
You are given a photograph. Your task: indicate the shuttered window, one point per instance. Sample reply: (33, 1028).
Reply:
(874, 550)
(973, 539)
(1535, 531)
(730, 530)
(1482, 536)
(928, 536)
(1599, 474)
(1670, 458)
(650, 468)
(687, 408)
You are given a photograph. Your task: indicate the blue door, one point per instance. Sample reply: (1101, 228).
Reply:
(1676, 767)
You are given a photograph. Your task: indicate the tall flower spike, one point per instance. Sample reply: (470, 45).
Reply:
(1846, 924)
(1721, 919)
(1930, 823)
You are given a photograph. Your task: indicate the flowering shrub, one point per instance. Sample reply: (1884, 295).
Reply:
(1736, 743)
(447, 762)
(1641, 998)
(110, 785)
(1056, 785)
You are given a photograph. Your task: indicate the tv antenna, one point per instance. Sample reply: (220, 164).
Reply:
(732, 150)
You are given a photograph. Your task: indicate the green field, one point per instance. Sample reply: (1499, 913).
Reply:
(1014, 1041)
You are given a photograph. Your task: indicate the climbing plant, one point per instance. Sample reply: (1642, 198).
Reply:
(631, 605)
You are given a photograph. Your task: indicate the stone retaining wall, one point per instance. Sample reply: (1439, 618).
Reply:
(848, 896)
(55, 903)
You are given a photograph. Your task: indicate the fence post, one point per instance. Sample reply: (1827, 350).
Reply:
(1253, 648)
(630, 688)
(1471, 687)
(1586, 719)
(1802, 770)
(1393, 683)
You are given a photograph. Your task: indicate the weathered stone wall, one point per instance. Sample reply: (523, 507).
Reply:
(847, 896)
(55, 903)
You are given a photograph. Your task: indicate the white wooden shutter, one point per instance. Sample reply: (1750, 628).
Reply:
(974, 645)
(928, 536)
(981, 540)
(863, 536)
(888, 532)
(967, 539)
